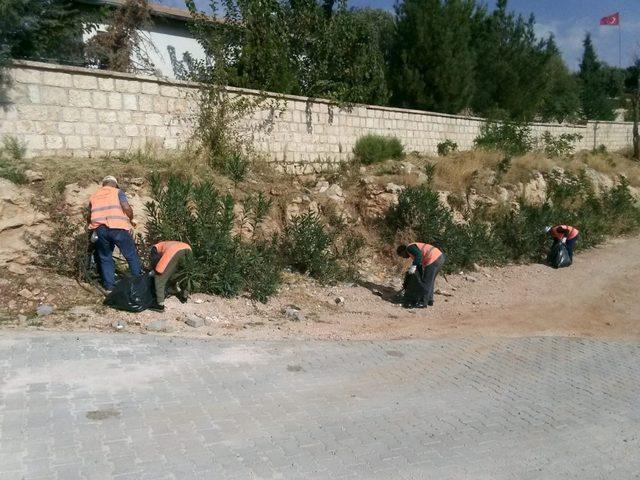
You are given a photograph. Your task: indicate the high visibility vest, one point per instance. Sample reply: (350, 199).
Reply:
(429, 253)
(573, 232)
(106, 210)
(167, 250)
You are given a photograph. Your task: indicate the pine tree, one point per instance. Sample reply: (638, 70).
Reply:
(433, 60)
(561, 100)
(596, 104)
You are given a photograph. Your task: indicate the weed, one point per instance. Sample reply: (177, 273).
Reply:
(12, 154)
(430, 172)
(560, 145)
(235, 166)
(446, 147)
(377, 148)
(512, 138)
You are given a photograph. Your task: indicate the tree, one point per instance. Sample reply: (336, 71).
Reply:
(510, 75)
(561, 101)
(121, 47)
(47, 30)
(433, 58)
(632, 90)
(596, 103)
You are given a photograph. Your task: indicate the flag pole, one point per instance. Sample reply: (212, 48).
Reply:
(619, 45)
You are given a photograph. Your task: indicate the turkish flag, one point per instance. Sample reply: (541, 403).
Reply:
(611, 19)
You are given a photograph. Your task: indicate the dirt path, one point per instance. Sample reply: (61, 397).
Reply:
(596, 297)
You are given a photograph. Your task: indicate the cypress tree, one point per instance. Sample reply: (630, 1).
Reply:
(596, 104)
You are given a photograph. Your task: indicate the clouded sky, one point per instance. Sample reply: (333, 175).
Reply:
(568, 20)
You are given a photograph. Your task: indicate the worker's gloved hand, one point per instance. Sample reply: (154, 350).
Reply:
(412, 270)
(564, 240)
(134, 223)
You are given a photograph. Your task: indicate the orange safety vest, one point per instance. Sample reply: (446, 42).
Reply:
(573, 232)
(167, 250)
(106, 210)
(429, 253)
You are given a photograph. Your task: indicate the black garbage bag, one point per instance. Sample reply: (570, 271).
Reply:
(559, 256)
(132, 294)
(413, 289)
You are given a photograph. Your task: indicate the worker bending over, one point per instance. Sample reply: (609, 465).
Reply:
(427, 261)
(110, 217)
(166, 260)
(566, 234)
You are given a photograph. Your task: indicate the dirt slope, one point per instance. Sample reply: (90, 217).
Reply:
(596, 297)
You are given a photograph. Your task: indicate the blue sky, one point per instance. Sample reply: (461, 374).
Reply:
(568, 20)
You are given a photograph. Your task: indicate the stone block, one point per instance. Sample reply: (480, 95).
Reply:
(85, 82)
(34, 142)
(54, 96)
(99, 99)
(127, 86)
(145, 103)
(168, 91)
(70, 114)
(66, 128)
(153, 119)
(33, 93)
(106, 143)
(82, 128)
(123, 143)
(170, 143)
(124, 117)
(88, 115)
(139, 118)
(57, 79)
(106, 84)
(32, 112)
(160, 105)
(107, 116)
(115, 101)
(150, 88)
(129, 101)
(23, 75)
(90, 141)
(54, 142)
(73, 142)
(131, 130)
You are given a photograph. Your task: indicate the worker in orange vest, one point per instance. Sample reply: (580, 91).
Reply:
(166, 260)
(566, 234)
(427, 261)
(110, 220)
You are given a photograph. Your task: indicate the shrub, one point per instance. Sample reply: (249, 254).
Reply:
(512, 138)
(560, 145)
(327, 254)
(235, 166)
(514, 235)
(376, 148)
(222, 263)
(446, 147)
(12, 154)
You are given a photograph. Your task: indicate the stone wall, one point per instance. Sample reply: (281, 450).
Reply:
(69, 111)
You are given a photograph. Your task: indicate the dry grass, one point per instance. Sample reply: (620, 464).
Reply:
(458, 172)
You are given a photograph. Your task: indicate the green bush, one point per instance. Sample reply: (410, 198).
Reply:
(377, 148)
(507, 235)
(446, 147)
(327, 254)
(222, 263)
(512, 138)
(12, 154)
(560, 145)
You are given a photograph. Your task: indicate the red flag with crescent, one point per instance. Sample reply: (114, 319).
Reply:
(611, 19)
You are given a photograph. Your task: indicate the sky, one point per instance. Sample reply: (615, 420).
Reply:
(567, 20)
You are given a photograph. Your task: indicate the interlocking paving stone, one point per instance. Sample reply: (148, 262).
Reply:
(96, 406)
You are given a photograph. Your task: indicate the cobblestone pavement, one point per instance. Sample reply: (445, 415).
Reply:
(142, 407)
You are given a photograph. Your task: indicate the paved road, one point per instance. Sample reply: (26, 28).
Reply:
(142, 407)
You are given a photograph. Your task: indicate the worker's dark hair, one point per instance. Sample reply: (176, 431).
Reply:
(402, 249)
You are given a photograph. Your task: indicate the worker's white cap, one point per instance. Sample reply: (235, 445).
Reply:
(109, 179)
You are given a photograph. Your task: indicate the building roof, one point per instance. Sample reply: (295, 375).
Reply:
(156, 9)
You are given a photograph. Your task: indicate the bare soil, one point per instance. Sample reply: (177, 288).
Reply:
(596, 297)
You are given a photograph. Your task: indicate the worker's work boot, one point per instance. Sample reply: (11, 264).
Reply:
(157, 307)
